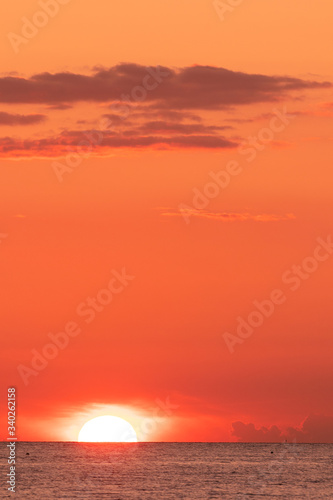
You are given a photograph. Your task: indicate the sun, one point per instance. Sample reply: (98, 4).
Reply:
(107, 429)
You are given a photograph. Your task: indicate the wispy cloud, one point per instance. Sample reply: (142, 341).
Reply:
(225, 216)
(167, 128)
(59, 146)
(10, 119)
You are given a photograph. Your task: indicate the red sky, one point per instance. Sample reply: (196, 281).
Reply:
(192, 154)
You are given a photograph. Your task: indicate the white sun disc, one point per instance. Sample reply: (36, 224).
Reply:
(107, 429)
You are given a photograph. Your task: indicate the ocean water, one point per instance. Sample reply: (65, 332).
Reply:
(169, 471)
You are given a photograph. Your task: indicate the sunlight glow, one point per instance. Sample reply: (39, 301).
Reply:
(107, 429)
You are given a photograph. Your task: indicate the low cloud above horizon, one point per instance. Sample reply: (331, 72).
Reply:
(314, 429)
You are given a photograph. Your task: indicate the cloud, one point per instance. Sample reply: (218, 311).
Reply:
(12, 119)
(247, 433)
(162, 127)
(189, 88)
(61, 106)
(115, 119)
(149, 107)
(168, 129)
(265, 117)
(225, 216)
(172, 116)
(101, 144)
(314, 429)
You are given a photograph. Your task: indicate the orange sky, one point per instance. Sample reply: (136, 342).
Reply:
(205, 96)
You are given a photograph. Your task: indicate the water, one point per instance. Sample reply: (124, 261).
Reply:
(169, 471)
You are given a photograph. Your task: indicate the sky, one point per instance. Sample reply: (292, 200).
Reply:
(165, 234)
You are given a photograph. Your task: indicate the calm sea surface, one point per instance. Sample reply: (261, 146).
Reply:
(170, 471)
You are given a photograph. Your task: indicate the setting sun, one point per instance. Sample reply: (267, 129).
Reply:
(107, 429)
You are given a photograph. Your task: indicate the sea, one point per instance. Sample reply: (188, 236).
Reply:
(168, 471)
